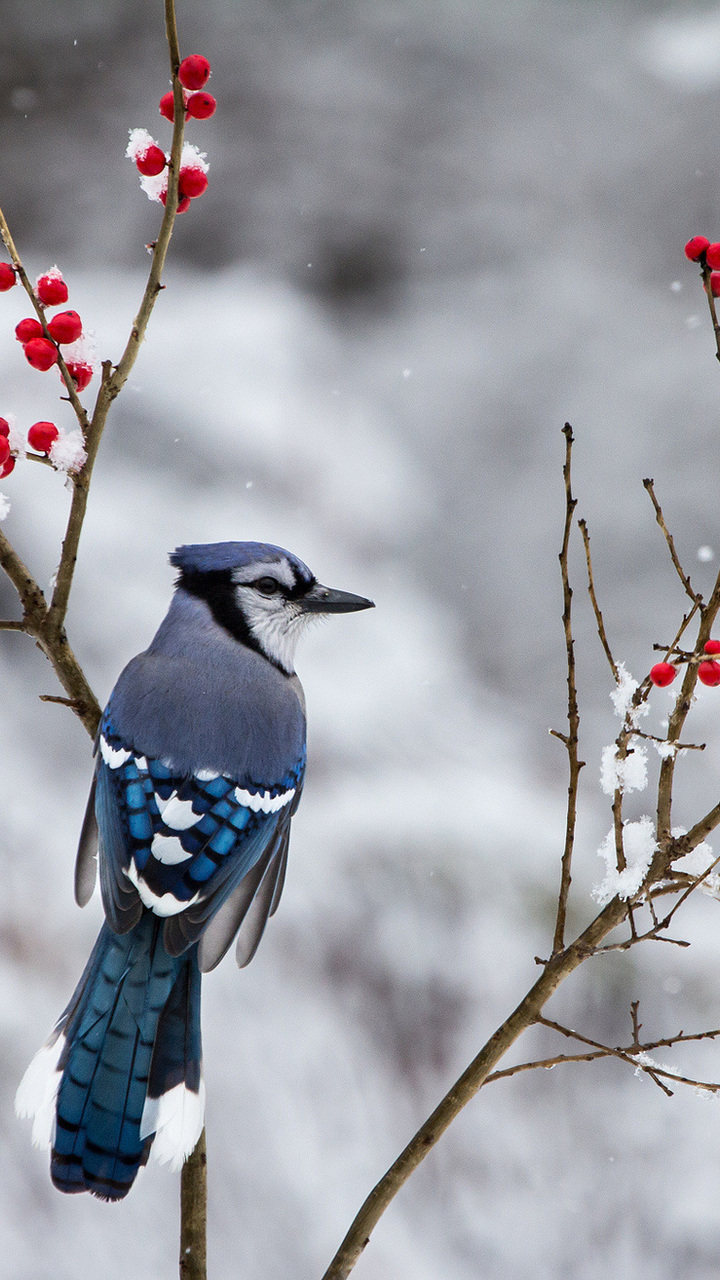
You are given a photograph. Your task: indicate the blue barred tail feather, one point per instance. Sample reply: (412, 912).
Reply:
(122, 1069)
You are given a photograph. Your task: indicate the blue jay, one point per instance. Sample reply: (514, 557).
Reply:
(200, 766)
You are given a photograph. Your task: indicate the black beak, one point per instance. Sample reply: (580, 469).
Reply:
(321, 599)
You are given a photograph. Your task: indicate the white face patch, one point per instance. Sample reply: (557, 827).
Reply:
(263, 802)
(275, 623)
(165, 905)
(112, 757)
(168, 850)
(176, 1118)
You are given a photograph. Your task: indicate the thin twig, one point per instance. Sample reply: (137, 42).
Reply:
(706, 273)
(677, 746)
(653, 1072)
(594, 601)
(676, 724)
(696, 599)
(114, 380)
(636, 1050)
(628, 1054)
(573, 714)
(39, 310)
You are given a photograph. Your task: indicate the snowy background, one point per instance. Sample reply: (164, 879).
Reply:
(435, 230)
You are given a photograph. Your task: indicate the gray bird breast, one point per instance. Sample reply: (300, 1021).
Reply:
(200, 700)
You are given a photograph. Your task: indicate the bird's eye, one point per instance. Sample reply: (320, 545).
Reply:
(267, 586)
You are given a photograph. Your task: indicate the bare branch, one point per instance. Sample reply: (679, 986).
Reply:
(193, 1214)
(628, 1054)
(676, 724)
(635, 1052)
(594, 601)
(706, 272)
(72, 395)
(573, 714)
(696, 599)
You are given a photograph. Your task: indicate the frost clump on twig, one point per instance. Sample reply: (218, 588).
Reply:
(68, 453)
(697, 862)
(138, 143)
(4, 506)
(82, 351)
(623, 774)
(639, 845)
(622, 696)
(644, 1062)
(16, 438)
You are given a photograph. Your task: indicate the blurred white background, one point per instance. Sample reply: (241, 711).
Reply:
(435, 230)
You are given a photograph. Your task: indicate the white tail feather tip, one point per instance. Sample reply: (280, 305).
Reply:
(37, 1092)
(176, 1118)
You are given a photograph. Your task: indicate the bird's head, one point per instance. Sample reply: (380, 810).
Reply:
(264, 596)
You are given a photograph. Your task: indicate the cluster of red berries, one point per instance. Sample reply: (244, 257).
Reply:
(663, 673)
(699, 249)
(193, 74)
(151, 160)
(41, 437)
(41, 343)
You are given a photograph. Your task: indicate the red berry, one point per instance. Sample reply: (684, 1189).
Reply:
(41, 353)
(66, 326)
(695, 248)
(51, 289)
(80, 372)
(4, 450)
(183, 203)
(4, 427)
(200, 106)
(194, 72)
(192, 182)
(712, 646)
(662, 674)
(7, 277)
(42, 436)
(709, 673)
(167, 106)
(151, 162)
(28, 329)
(712, 256)
(715, 283)
(7, 466)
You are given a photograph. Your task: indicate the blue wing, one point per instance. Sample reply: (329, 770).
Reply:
(205, 852)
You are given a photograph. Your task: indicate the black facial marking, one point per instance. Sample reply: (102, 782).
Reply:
(217, 590)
